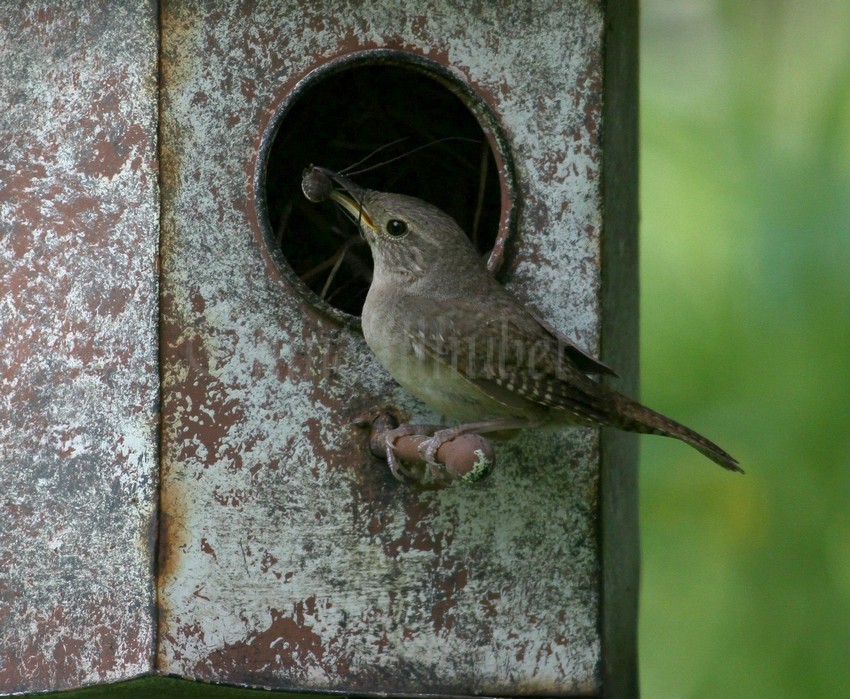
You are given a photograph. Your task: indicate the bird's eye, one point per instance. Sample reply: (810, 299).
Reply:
(396, 228)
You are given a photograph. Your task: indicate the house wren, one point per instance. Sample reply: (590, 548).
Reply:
(450, 334)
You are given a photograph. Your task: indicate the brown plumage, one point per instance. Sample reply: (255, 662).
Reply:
(452, 335)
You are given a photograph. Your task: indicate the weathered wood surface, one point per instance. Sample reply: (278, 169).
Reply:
(78, 342)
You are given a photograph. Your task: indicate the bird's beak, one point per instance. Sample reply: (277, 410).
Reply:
(351, 200)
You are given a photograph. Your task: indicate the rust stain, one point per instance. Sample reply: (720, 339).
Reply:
(292, 642)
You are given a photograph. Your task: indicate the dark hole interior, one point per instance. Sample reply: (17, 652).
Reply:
(342, 119)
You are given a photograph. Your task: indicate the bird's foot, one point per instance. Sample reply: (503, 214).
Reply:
(398, 471)
(430, 456)
(428, 448)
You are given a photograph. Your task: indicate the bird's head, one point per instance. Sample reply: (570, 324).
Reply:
(410, 239)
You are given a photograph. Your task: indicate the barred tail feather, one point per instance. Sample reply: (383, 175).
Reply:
(635, 417)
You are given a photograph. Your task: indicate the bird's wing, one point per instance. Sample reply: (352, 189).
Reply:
(507, 354)
(583, 360)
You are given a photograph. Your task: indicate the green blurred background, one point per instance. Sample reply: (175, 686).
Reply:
(745, 137)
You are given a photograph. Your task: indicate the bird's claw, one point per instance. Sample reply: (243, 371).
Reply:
(411, 452)
(429, 447)
(428, 451)
(396, 469)
(399, 472)
(434, 471)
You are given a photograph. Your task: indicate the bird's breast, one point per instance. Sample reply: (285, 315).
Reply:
(390, 332)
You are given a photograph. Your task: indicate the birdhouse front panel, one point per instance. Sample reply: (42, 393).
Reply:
(290, 557)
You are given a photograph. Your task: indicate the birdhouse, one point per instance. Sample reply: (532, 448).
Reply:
(187, 381)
